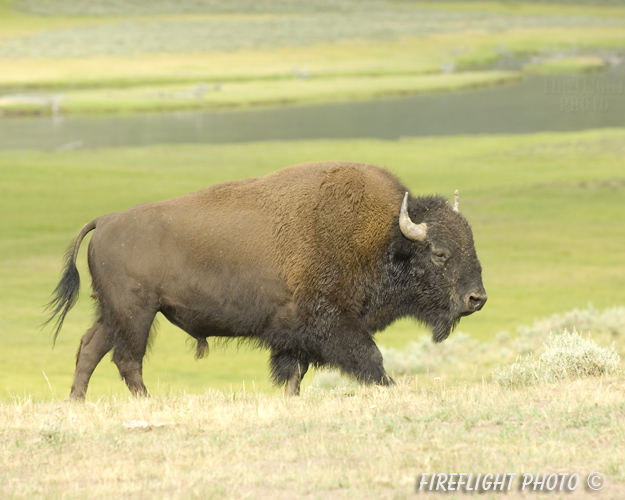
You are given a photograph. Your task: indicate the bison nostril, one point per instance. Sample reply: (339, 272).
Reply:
(477, 301)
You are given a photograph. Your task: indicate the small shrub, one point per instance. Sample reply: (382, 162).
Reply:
(609, 321)
(329, 379)
(411, 359)
(51, 432)
(566, 356)
(423, 355)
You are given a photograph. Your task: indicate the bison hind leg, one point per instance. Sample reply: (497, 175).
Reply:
(132, 339)
(93, 346)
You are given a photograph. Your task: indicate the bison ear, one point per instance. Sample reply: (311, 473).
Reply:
(402, 248)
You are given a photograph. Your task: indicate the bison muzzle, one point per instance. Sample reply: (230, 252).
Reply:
(309, 261)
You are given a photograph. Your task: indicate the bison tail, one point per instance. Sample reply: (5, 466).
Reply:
(65, 294)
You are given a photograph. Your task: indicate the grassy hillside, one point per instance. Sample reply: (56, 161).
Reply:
(546, 211)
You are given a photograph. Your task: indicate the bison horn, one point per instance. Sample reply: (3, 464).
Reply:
(456, 198)
(412, 231)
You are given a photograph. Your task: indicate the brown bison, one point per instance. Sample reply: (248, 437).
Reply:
(309, 261)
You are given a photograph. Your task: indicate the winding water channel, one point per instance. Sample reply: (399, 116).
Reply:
(547, 103)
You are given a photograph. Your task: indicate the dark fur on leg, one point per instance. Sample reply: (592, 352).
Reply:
(288, 368)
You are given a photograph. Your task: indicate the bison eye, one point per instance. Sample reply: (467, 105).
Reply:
(440, 255)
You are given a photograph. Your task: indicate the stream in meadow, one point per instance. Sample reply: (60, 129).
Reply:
(535, 104)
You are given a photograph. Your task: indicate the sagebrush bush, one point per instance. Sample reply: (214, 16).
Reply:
(423, 355)
(609, 321)
(567, 356)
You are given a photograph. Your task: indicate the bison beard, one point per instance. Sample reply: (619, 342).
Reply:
(310, 262)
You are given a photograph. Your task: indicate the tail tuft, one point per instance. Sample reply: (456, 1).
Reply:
(202, 348)
(65, 295)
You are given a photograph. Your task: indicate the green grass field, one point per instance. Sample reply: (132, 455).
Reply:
(257, 93)
(546, 211)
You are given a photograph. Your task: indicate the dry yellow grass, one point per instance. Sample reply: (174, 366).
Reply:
(366, 442)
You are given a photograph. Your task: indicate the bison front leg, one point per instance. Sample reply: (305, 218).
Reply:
(294, 381)
(290, 369)
(356, 354)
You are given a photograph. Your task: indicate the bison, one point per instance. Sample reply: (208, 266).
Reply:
(309, 261)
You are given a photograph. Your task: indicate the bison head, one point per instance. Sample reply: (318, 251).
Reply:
(435, 264)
